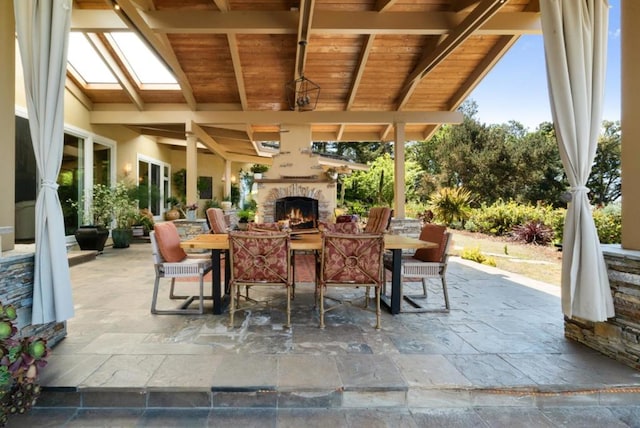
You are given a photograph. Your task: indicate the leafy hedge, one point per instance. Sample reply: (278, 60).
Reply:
(501, 218)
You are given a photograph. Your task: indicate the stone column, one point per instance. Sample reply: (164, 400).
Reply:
(7, 124)
(398, 184)
(227, 178)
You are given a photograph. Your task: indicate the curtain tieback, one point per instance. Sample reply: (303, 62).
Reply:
(579, 189)
(50, 184)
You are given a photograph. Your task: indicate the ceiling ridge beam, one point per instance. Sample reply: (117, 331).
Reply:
(484, 11)
(324, 22)
(271, 117)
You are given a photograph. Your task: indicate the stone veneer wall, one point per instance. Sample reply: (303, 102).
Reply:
(16, 288)
(618, 337)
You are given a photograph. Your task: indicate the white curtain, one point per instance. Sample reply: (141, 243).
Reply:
(575, 44)
(43, 31)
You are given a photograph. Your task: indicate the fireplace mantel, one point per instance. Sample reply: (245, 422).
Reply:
(293, 180)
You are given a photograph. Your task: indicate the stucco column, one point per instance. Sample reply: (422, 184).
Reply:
(398, 184)
(630, 100)
(192, 168)
(7, 123)
(227, 178)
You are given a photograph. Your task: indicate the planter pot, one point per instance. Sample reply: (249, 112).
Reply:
(257, 175)
(121, 238)
(226, 205)
(191, 215)
(137, 231)
(243, 225)
(91, 237)
(172, 214)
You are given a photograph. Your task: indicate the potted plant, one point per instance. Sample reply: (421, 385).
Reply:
(244, 216)
(173, 213)
(96, 217)
(226, 203)
(22, 359)
(258, 169)
(125, 211)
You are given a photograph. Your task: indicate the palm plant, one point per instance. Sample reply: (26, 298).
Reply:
(451, 204)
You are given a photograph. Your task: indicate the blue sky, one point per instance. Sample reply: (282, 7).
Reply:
(516, 88)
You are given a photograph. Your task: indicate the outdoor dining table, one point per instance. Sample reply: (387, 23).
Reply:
(218, 243)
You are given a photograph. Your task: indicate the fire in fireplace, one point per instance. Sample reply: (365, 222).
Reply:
(302, 212)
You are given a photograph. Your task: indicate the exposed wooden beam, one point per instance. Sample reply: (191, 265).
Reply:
(160, 44)
(132, 117)
(226, 133)
(304, 26)
(483, 12)
(114, 67)
(326, 22)
(460, 5)
(71, 86)
(237, 69)
(383, 5)
(223, 5)
(362, 62)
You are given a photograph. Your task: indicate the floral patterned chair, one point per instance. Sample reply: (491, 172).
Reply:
(170, 261)
(259, 259)
(264, 227)
(349, 260)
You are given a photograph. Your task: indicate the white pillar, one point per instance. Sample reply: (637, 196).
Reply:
(227, 178)
(192, 168)
(398, 183)
(7, 124)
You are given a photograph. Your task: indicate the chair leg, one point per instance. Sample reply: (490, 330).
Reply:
(378, 290)
(424, 287)
(288, 325)
(445, 293)
(155, 295)
(232, 304)
(201, 301)
(321, 306)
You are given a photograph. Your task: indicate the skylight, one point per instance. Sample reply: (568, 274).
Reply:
(144, 64)
(86, 61)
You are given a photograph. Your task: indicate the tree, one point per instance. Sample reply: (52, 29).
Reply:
(604, 182)
(375, 186)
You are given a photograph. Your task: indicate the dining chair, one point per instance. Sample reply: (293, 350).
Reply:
(170, 261)
(264, 227)
(259, 259)
(216, 220)
(426, 264)
(344, 227)
(378, 220)
(351, 260)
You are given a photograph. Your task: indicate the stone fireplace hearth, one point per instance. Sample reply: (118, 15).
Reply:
(267, 205)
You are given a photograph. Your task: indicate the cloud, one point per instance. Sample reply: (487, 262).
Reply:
(615, 34)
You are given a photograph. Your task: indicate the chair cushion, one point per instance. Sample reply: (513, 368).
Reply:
(168, 240)
(378, 221)
(216, 219)
(433, 233)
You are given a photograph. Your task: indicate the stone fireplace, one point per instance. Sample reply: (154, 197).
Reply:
(296, 175)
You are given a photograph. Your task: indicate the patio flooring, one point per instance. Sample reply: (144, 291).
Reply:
(500, 350)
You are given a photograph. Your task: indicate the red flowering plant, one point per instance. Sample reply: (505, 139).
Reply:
(20, 361)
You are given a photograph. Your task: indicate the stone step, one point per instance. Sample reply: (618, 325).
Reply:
(76, 257)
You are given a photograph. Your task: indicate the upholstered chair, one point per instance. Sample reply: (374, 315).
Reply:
(259, 259)
(351, 260)
(170, 261)
(426, 264)
(378, 220)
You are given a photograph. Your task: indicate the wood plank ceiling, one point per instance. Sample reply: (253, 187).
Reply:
(377, 62)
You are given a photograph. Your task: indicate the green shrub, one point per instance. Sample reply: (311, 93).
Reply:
(475, 255)
(501, 217)
(608, 221)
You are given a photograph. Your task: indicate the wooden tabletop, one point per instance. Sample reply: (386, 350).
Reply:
(311, 241)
